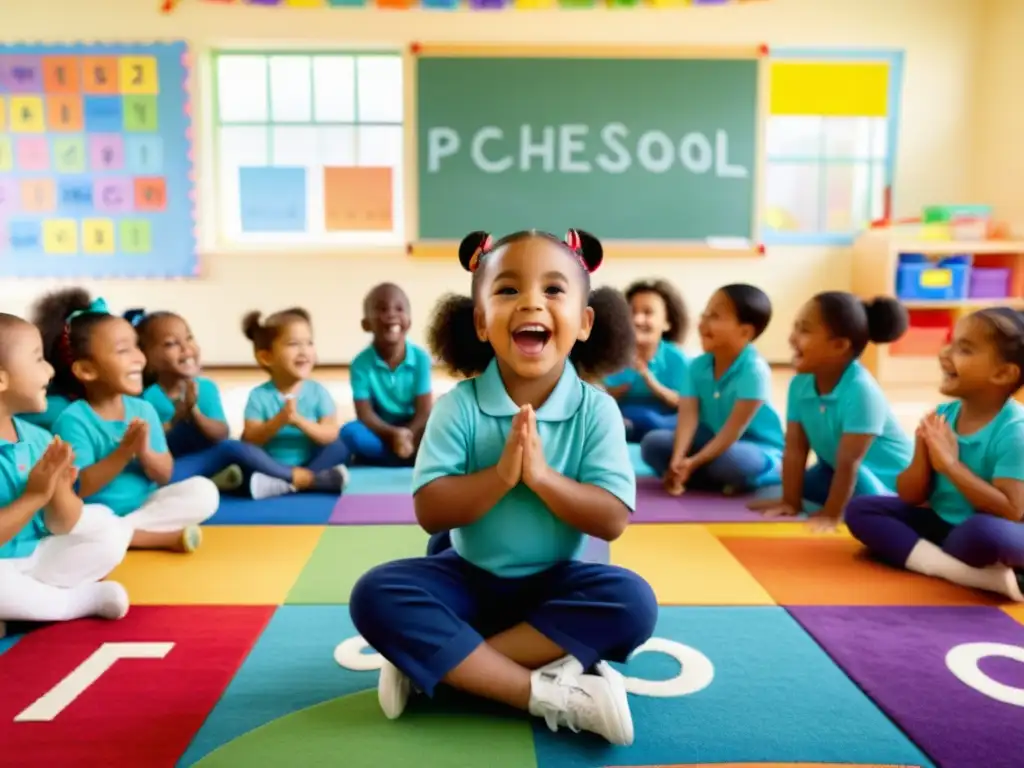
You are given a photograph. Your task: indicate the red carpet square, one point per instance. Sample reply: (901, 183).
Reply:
(73, 695)
(836, 571)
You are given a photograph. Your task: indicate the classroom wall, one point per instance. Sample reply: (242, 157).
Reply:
(998, 176)
(940, 39)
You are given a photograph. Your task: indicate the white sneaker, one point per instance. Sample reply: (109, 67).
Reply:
(595, 703)
(393, 689)
(266, 487)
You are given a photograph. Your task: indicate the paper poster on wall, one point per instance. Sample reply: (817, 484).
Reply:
(358, 199)
(96, 172)
(272, 199)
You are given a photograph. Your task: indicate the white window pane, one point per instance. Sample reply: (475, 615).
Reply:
(379, 145)
(334, 89)
(880, 141)
(291, 89)
(877, 209)
(847, 196)
(794, 137)
(337, 145)
(793, 197)
(849, 137)
(242, 145)
(242, 89)
(294, 146)
(379, 89)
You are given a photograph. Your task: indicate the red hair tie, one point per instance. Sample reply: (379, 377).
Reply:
(485, 245)
(575, 244)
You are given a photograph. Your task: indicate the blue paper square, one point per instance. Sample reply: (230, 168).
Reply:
(272, 199)
(104, 114)
(75, 195)
(144, 155)
(25, 235)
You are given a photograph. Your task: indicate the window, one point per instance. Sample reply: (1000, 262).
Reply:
(829, 147)
(309, 148)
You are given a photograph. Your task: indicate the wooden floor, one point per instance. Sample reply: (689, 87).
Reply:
(909, 403)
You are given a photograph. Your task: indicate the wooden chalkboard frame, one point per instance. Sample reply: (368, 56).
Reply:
(443, 249)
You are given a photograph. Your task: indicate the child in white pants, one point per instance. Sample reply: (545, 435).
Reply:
(118, 438)
(53, 549)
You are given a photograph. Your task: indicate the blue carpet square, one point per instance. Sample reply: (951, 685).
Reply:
(291, 667)
(6, 643)
(377, 480)
(291, 509)
(774, 696)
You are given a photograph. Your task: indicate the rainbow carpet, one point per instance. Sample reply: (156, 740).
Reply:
(774, 648)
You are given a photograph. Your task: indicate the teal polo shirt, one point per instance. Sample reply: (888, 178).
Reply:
(996, 451)
(207, 400)
(94, 438)
(55, 405)
(583, 437)
(290, 445)
(669, 366)
(748, 378)
(16, 461)
(392, 393)
(856, 406)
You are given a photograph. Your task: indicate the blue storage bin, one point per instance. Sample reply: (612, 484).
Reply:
(923, 281)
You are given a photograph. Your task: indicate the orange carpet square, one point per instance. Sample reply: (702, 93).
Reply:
(686, 565)
(1016, 611)
(835, 571)
(236, 565)
(795, 530)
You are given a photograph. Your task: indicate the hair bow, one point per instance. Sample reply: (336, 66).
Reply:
(98, 306)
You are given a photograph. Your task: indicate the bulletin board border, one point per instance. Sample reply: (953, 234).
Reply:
(625, 249)
(188, 67)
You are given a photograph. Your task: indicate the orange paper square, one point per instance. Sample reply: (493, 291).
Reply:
(150, 194)
(38, 195)
(99, 74)
(358, 199)
(60, 74)
(64, 113)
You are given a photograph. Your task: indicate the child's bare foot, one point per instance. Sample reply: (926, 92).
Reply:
(673, 487)
(302, 478)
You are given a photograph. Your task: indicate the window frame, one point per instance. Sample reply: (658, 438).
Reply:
(216, 235)
(895, 60)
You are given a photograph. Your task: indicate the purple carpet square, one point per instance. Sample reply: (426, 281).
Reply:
(653, 505)
(951, 678)
(373, 509)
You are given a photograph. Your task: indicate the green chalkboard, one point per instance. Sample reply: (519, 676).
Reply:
(630, 149)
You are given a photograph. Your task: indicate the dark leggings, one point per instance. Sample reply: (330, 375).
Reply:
(890, 528)
(211, 459)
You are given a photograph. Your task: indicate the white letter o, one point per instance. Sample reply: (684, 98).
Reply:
(962, 661)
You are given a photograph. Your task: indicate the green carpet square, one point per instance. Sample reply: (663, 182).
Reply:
(346, 553)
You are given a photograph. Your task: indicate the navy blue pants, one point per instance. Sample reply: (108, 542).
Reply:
(427, 614)
(367, 448)
(201, 458)
(744, 466)
(646, 418)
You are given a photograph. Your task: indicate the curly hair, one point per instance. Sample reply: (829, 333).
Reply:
(610, 348)
(66, 341)
(675, 308)
(263, 332)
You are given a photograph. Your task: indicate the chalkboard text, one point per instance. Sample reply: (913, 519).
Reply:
(572, 149)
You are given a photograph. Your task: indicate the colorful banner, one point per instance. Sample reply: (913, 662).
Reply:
(476, 5)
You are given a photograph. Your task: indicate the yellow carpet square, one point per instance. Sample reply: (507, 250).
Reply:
(1016, 611)
(236, 565)
(687, 565)
(795, 530)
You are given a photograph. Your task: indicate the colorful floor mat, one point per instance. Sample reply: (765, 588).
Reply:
(774, 647)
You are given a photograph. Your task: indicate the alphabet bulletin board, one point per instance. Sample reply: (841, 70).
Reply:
(96, 176)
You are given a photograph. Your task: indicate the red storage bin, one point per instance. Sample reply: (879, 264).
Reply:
(929, 331)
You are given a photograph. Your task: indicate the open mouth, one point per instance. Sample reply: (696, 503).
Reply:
(531, 339)
(188, 363)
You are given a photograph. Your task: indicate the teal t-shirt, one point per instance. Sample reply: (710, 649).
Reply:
(55, 405)
(93, 439)
(290, 445)
(748, 378)
(392, 393)
(207, 400)
(669, 366)
(996, 451)
(16, 461)
(856, 406)
(584, 439)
